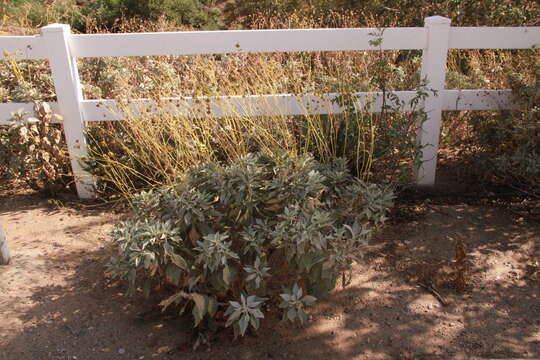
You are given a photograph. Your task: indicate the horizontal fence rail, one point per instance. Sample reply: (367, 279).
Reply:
(267, 41)
(494, 38)
(267, 105)
(58, 45)
(243, 41)
(23, 48)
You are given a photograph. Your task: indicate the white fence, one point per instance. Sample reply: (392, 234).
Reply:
(61, 48)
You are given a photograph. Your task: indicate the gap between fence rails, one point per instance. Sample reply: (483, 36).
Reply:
(57, 44)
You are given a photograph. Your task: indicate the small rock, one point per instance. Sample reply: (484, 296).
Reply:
(121, 351)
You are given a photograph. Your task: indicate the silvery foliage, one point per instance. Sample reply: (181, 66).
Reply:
(257, 272)
(230, 237)
(214, 251)
(244, 313)
(294, 302)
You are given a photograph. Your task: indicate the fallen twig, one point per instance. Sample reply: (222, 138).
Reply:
(444, 212)
(433, 292)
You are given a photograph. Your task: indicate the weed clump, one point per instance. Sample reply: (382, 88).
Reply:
(33, 149)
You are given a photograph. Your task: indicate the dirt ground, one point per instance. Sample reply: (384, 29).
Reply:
(56, 302)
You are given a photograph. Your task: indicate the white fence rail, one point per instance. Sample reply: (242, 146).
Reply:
(61, 48)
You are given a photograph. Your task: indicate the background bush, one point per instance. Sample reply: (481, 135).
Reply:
(226, 239)
(81, 14)
(35, 13)
(384, 13)
(195, 13)
(33, 149)
(505, 148)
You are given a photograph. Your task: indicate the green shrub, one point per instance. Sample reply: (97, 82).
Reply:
(279, 232)
(40, 13)
(182, 12)
(106, 13)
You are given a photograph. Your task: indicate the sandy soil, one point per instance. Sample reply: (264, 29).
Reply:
(56, 302)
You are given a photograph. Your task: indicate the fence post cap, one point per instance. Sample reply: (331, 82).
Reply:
(56, 28)
(437, 20)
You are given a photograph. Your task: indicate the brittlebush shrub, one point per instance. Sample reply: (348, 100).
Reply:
(225, 240)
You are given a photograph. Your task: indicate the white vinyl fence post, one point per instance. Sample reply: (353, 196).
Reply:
(69, 93)
(434, 71)
(5, 256)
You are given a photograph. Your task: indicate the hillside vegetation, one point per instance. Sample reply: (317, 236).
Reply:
(213, 14)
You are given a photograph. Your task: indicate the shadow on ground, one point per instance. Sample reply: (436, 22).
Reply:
(382, 314)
